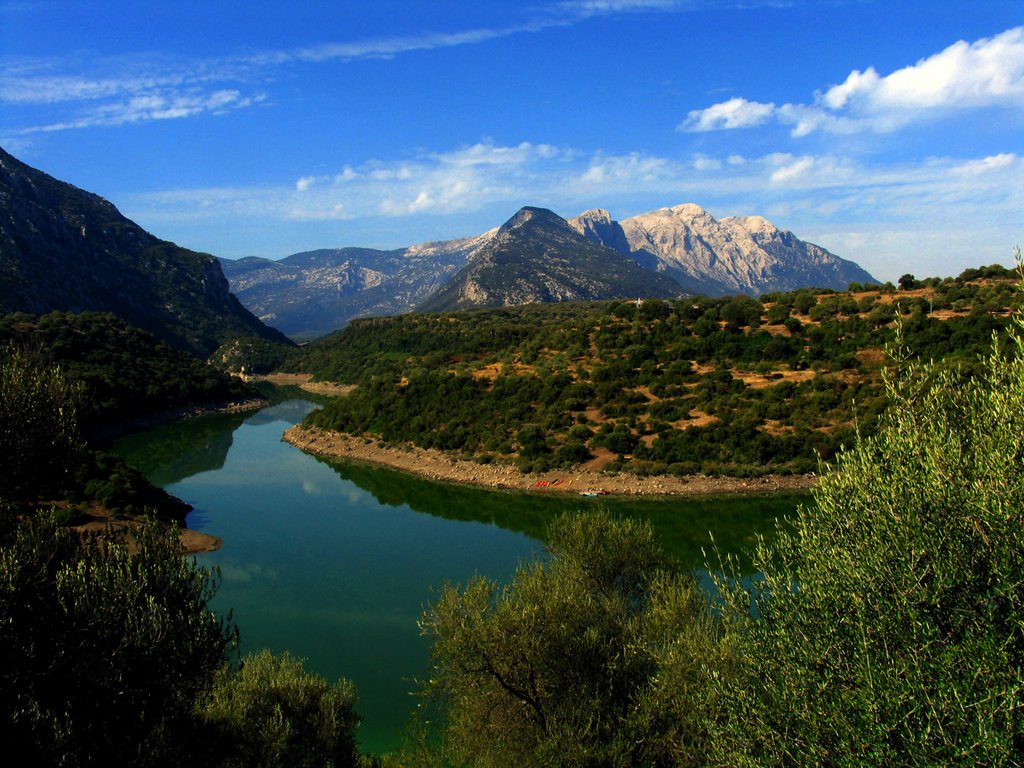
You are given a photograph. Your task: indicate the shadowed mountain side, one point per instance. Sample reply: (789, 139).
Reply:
(537, 257)
(65, 249)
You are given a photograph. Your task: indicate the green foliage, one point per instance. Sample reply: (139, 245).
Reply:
(471, 382)
(888, 628)
(39, 436)
(44, 455)
(271, 712)
(124, 372)
(106, 644)
(598, 655)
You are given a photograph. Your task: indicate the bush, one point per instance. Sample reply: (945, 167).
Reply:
(599, 655)
(888, 628)
(105, 645)
(274, 713)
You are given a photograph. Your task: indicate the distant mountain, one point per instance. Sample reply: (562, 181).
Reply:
(740, 254)
(312, 293)
(537, 257)
(62, 248)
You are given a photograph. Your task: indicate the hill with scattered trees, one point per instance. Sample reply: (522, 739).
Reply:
(732, 385)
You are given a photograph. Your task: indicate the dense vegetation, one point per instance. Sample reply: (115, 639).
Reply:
(112, 655)
(124, 371)
(728, 385)
(886, 628)
(46, 459)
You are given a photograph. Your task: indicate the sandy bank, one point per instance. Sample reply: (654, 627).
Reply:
(304, 381)
(437, 465)
(192, 542)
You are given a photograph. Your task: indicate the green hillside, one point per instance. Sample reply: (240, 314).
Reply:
(730, 385)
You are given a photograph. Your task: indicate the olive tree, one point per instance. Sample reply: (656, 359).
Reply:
(106, 643)
(271, 712)
(39, 433)
(597, 654)
(888, 628)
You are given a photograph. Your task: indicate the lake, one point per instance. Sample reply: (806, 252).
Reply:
(335, 562)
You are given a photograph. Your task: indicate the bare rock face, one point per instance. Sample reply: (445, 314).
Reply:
(312, 293)
(537, 256)
(739, 254)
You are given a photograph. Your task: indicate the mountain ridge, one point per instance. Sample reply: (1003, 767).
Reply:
(65, 249)
(702, 254)
(537, 256)
(737, 254)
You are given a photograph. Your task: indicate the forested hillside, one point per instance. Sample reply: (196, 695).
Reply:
(731, 385)
(68, 250)
(125, 372)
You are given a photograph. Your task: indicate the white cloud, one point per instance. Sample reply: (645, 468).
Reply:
(825, 198)
(986, 73)
(987, 164)
(605, 7)
(705, 163)
(734, 113)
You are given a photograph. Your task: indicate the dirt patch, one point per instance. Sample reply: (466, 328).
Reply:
(697, 419)
(494, 370)
(583, 480)
(763, 381)
(602, 458)
(305, 381)
(98, 520)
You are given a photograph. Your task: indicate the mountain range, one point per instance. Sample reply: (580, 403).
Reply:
(537, 256)
(65, 249)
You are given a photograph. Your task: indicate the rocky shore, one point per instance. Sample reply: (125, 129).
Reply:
(438, 465)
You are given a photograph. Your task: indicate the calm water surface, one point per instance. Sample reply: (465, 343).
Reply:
(335, 562)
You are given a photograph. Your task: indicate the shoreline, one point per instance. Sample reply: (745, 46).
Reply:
(437, 465)
(303, 381)
(192, 542)
(102, 436)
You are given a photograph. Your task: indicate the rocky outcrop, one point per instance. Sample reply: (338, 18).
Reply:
(740, 254)
(536, 256)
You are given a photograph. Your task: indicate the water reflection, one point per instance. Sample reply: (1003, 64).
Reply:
(335, 561)
(686, 526)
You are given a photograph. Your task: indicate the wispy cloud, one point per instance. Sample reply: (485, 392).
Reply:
(87, 92)
(986, 73)
(810, 194)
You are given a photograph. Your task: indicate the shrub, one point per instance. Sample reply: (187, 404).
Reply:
(597, 655)
(888, 628)
(273, 713)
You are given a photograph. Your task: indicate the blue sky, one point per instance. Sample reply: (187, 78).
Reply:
(889, 132)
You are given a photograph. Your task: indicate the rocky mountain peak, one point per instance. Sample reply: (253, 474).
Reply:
(597, 226)
(594, 215)
(688, 211)
(530, 215)
(757, 226)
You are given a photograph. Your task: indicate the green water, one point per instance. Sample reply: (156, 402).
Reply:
(335, 562)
